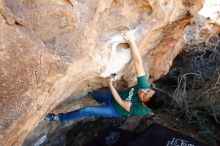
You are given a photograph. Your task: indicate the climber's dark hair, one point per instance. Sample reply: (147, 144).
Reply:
(155, 102)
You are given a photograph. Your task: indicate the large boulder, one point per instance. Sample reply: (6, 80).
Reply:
(53, 49)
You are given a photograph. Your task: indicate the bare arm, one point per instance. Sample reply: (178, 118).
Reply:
(125, 104)
(135, 54)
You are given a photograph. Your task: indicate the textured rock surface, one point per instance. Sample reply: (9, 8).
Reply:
(50, 50)
(204, 24)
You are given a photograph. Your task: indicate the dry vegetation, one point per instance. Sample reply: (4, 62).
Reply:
(198, 92)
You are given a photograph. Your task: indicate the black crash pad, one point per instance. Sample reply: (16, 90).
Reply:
(157, 135)
(154, 135)
(113, 136)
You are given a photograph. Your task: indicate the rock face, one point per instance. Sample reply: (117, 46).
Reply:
(50, 50)
(206, 23)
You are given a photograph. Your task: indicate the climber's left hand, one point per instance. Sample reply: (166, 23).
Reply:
(109, 81)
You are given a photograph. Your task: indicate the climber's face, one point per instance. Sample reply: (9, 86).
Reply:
(145, 94)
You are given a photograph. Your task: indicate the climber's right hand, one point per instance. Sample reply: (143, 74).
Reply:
(128, 36)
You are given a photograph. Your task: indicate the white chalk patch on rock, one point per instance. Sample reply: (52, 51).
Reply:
(120, 56)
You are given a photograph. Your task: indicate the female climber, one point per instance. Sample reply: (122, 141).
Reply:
(132, 101)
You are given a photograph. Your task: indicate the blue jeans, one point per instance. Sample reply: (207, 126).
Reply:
(107, 110)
